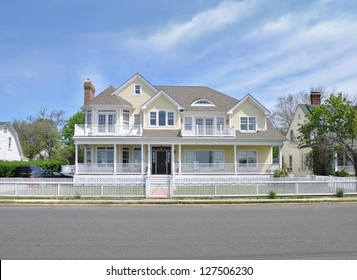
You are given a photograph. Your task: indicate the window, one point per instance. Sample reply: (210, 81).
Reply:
(170, 118)
(137, 89)
(292, 136)
(106, 121)
(248, 124)
(89, 118)
(137, 156)
(125, 155)
(153, 118)
(220, 123)
(105, 155)
(162, 118)
(247, 158)
(9, 143)
(188, 123)
(202, 102)
(204, 156)
(137, 119)
(126, 116)
(290, 163)
(88, 155)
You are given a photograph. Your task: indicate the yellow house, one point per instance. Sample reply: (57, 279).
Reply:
(172, 131)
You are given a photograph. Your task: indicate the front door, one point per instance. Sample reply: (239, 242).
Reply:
(161, 161)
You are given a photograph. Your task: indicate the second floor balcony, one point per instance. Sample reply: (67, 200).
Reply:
(108, 130)
(208, 130)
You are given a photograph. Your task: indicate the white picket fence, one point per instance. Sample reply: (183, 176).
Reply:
(180, 186)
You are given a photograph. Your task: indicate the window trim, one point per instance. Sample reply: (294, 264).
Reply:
(157, 118)
(135, 89)
(206, 150)
(248, 150)
(207, 103)
(247, 123)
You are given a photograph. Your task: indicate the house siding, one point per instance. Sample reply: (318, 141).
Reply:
(248, 108)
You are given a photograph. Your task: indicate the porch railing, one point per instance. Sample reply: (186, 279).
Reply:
(105, 130)
(186, 168)
(208, 130)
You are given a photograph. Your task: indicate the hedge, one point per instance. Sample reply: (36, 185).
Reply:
(7, 168)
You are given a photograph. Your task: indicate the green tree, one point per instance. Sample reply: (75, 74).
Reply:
(39, 135)
(332, 125)
(67, 133)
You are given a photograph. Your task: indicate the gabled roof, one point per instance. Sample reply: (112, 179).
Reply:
(106, 98)
(186, 95)
(306, 108)
(251, 98)
(164, 94)
(130, 81)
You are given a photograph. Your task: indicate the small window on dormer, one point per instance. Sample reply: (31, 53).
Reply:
(137, 89)
(202, 102)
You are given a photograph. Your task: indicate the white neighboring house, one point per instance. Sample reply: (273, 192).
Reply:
(10, 147)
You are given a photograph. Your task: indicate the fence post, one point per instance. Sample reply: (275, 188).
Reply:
(16, 189)
(297, 187)
(101, 190)
(58, 190)
(257, 187)
(215, 190)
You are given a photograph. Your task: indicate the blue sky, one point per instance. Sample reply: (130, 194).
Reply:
(266, 48)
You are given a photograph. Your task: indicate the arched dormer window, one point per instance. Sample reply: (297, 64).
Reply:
(202, 102)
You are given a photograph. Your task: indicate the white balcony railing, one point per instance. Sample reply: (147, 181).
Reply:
(227, 168)
(108, 130)
(208, 130)
(108, 168)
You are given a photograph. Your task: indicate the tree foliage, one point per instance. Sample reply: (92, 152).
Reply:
(68, 149)
(332, 125)
(39, 134)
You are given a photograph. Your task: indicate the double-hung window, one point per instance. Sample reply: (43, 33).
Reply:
(153, 118)
(188, 123)
(170, 118)
(105, 155)
(137, 89)
(126, 117)
(248, 124)
(106, 121)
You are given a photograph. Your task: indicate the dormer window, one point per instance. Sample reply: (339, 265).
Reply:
(137, 89)
(202, 102)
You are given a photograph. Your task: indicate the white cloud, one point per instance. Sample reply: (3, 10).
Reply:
(201, 24)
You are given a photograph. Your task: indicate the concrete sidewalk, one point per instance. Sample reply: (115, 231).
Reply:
(176, 201)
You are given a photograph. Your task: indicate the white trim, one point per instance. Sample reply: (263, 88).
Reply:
(256, 102)
(130, 81)
(166, 118)
(208, 104)
(240, 124)
(161, 93)
(137, 94)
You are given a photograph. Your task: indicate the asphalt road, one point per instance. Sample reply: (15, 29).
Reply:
(319, 231)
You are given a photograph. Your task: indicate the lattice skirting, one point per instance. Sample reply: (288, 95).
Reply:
(124, 180)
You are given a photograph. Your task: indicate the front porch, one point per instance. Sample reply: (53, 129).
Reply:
(175, 159)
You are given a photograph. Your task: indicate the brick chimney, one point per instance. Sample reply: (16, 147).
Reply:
(89, 90)
(315, 97)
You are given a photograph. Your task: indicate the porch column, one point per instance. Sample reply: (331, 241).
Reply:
(149, 160)
(235, 159)
(280, 157)
(173, 159)
(115, 159)
(179, 154)
(142, 159)
(76, 159)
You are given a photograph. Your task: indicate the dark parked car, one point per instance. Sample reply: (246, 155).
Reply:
(28, 171)
(52, 174)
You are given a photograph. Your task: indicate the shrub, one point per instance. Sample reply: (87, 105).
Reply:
(340, 173)
(7, 168)
(272, 194)
(279, 173)
(340, 192)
